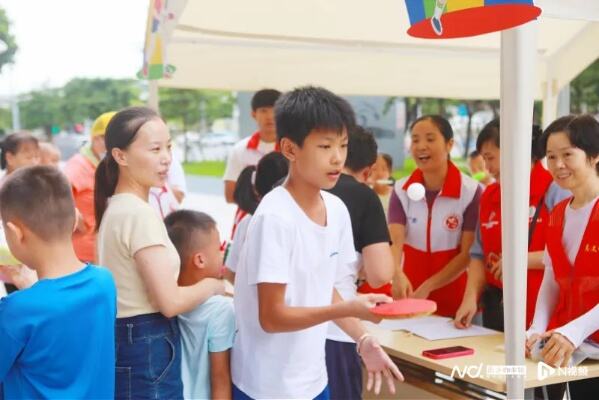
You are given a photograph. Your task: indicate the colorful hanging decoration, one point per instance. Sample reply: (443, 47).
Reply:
(440, 19)
(155, 61)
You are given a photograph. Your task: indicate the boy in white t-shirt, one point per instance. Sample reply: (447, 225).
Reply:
(207, 332)
(249, 150)
(296, 241)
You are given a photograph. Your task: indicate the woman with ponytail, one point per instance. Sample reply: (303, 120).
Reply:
(253, 184)
(133, 243)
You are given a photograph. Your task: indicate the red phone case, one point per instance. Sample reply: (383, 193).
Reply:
(439, 354)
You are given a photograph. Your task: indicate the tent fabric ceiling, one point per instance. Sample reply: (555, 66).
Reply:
(354, 47)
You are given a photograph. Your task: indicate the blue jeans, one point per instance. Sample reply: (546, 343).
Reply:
(239, 395)
(148, 358)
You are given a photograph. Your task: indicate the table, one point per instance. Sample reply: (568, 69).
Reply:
(432, 378)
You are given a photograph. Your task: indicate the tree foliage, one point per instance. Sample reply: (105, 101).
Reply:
(189, 107)
(7, 56)
(79, 100)
(584, 95)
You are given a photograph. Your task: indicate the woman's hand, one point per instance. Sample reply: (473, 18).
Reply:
(558, 349)
(402, 287)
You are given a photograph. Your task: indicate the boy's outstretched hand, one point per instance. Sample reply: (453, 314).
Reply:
(378, 365)
(362, 304)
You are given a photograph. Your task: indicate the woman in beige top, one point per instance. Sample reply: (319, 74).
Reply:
(134, 245)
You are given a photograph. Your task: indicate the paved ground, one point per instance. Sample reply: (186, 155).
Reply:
(206, 194)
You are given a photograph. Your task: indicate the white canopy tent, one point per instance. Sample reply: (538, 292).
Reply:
(357, 47)
(361, 48)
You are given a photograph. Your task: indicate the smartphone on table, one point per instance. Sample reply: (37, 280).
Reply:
(448, 352)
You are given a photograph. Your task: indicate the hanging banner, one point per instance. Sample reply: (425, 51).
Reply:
(155, 61)
(442, 19)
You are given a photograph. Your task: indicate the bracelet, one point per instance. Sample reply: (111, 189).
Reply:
(360, 340)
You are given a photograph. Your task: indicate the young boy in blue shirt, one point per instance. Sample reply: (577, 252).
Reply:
(57, 336)
(208, 331)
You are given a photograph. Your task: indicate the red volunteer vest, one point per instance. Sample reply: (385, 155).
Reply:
(578, 283)
(490, 229)
(433, 235)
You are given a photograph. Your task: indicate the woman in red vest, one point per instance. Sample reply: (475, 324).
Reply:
(432, 230)
(485, 269)
(565, 328)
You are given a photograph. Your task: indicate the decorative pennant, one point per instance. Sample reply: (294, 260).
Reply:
(155, 62)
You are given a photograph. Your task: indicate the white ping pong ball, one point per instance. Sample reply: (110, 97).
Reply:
(416, 191)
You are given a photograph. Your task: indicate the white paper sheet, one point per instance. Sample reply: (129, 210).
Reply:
(434, 328)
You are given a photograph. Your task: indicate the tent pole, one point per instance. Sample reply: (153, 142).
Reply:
(153, 100)
(518, 58)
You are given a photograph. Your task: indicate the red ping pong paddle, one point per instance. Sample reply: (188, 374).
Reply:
(405, 308)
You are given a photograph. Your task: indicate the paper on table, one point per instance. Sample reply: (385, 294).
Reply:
(434, 328)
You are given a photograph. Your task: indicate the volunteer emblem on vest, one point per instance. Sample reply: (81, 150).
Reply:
(452, 222)
(490, 223)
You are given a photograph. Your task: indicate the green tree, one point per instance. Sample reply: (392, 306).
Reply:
(585, 90)
(194, 109)
(5, 120)
(7, 56)
(80, 99)
(42, 109)
(87, 98)
(190, 107)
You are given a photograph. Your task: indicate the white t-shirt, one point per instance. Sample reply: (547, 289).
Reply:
(176, 175)
(237, 243)
(578, 330)
(163, 200)
(240, 157)
(283, 245)
(345, 283)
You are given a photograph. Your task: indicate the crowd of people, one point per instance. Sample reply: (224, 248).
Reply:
(120, 293)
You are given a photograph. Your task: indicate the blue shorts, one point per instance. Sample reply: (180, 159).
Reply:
(344, 368)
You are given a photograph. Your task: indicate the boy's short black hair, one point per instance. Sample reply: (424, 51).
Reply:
(361, 150)
(40, 198)
(182, 227)
(302, 110)
(473, 154)
(265, 98)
